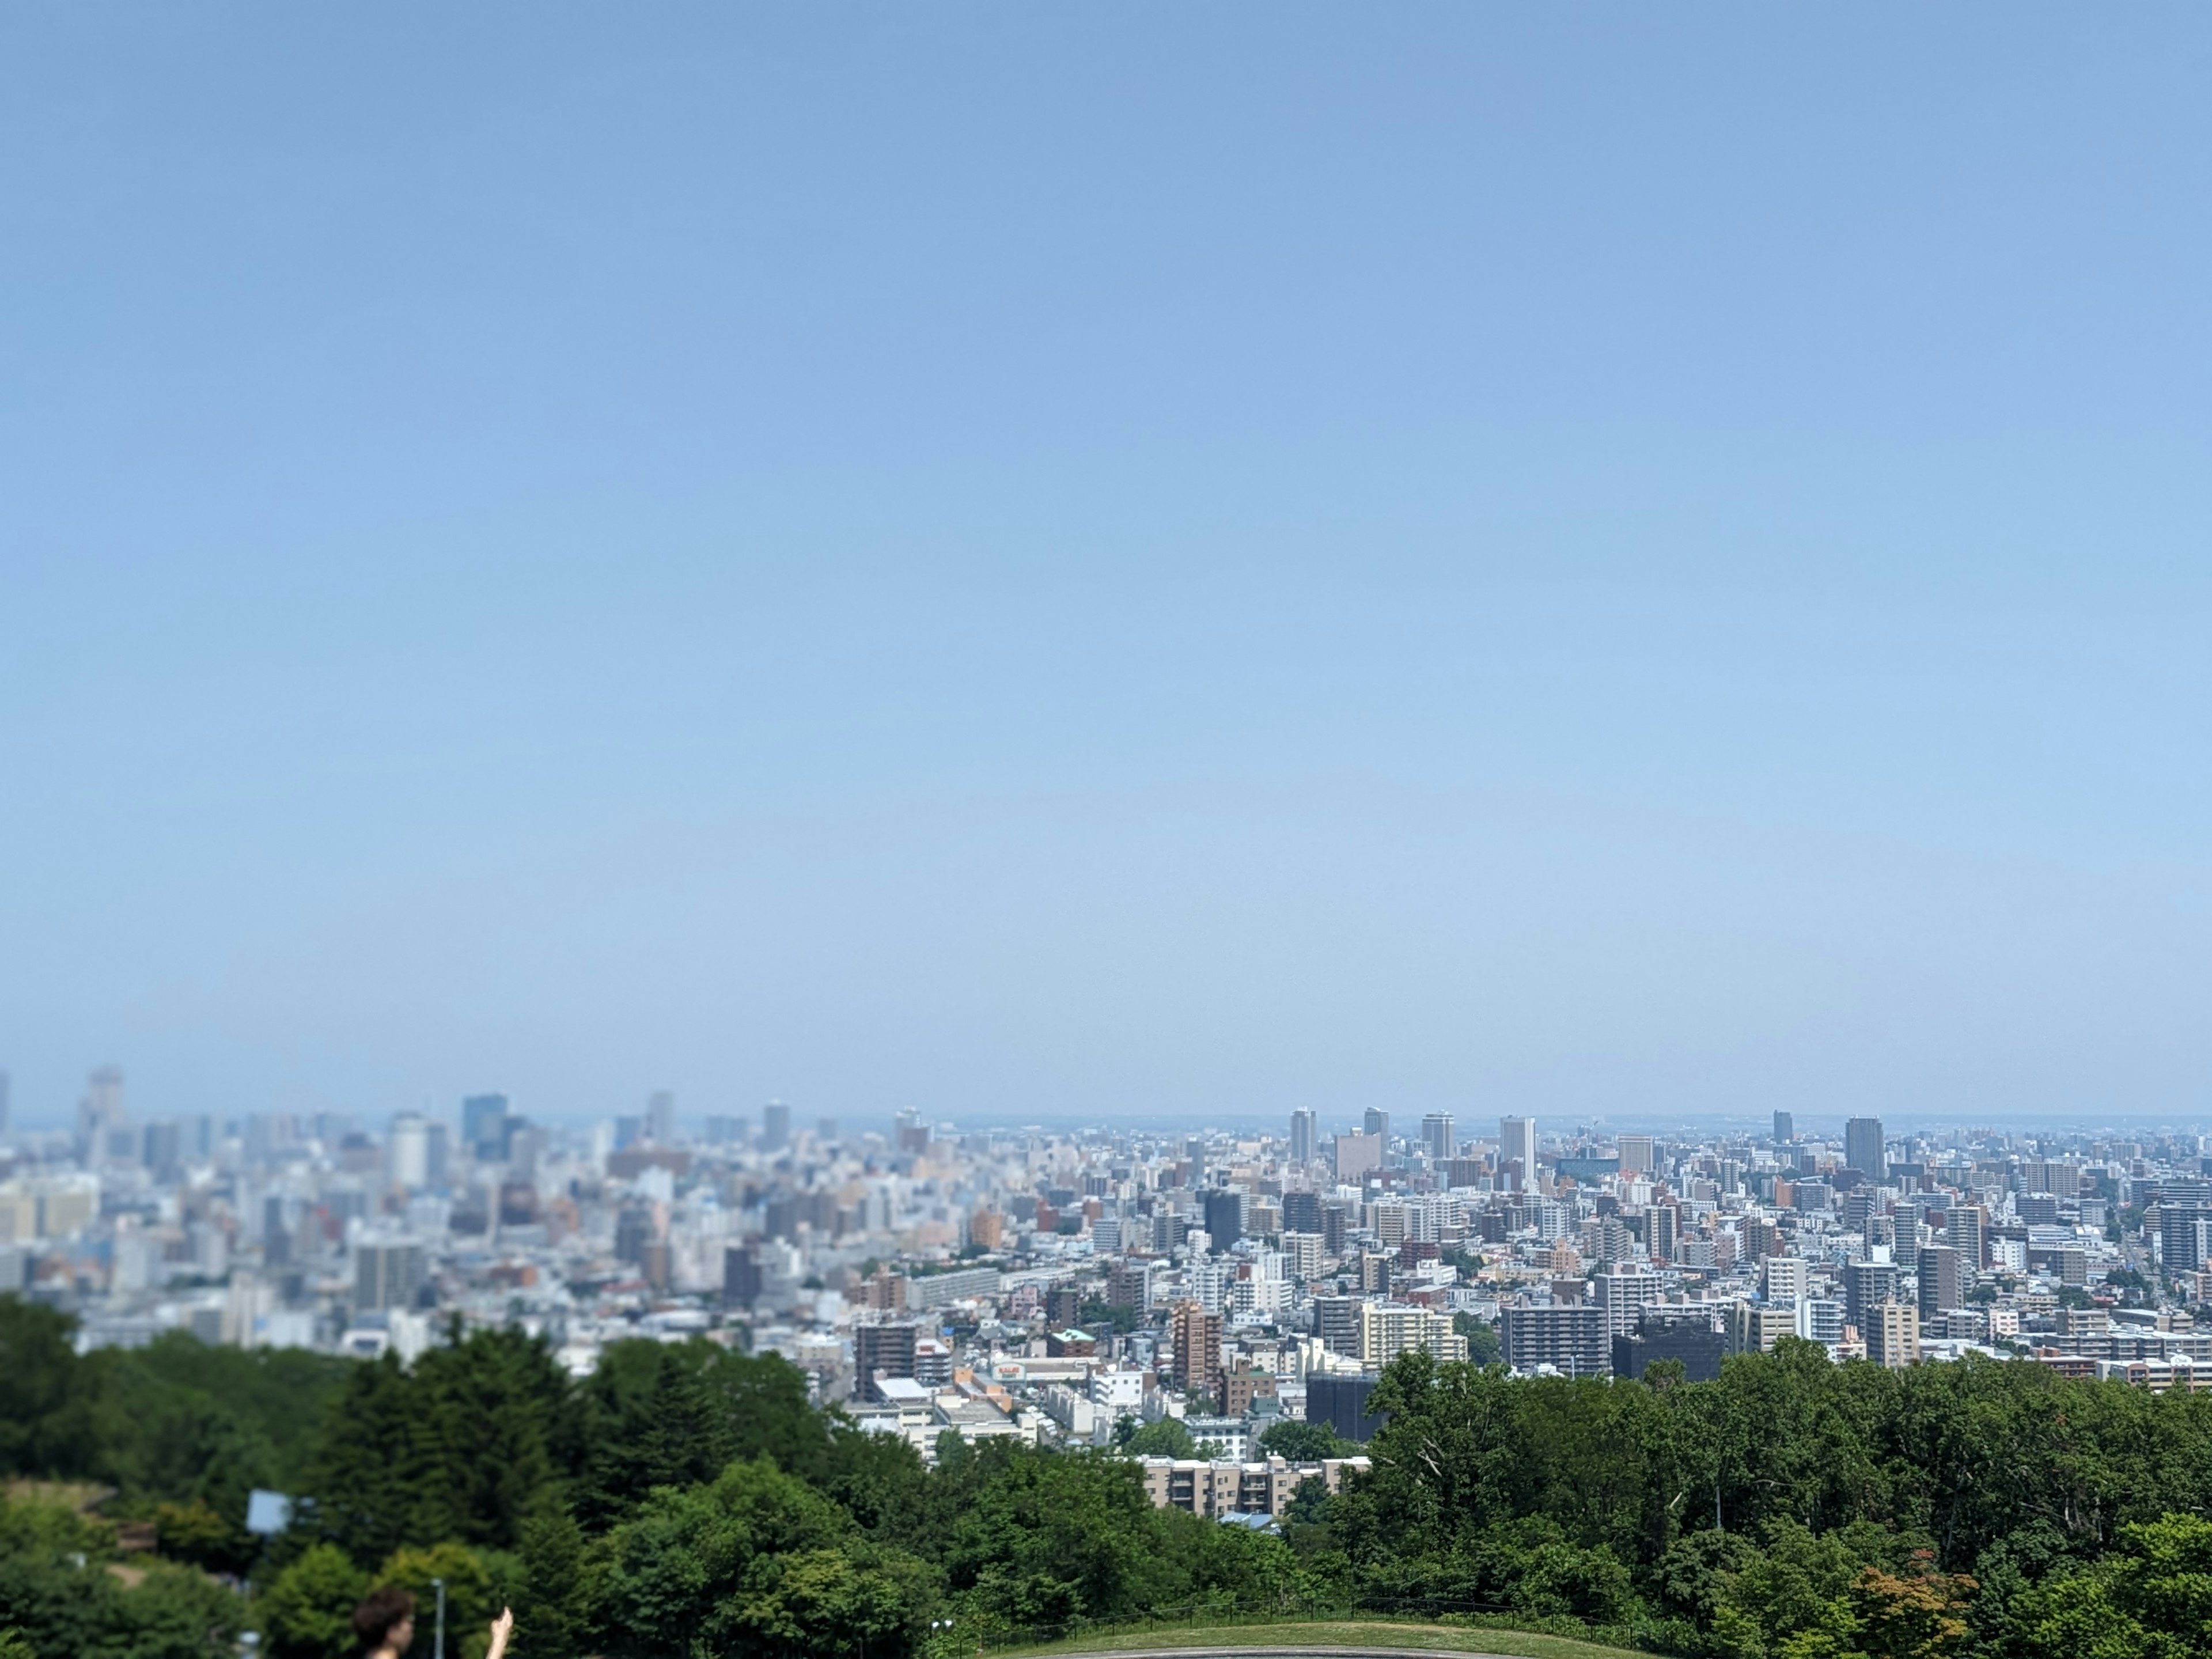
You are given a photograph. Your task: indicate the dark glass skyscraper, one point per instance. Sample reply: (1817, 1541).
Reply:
(1862, 1148)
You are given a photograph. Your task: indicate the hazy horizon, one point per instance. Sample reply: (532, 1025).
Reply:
(1599, 564)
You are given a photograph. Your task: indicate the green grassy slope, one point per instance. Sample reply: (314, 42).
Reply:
(1336, 1635)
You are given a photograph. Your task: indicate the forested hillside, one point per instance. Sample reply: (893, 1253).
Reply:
(685, 1499)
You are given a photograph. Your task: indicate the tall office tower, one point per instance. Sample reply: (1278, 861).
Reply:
(101, 1109)
(1302, 1212)
(485, 1126)
(1867, 1285)
(775, 1126)
(727, 1131)
(880, 1351)
(1968, 1232)
(1378, 1125)
(661, 1118)
(1196, 1336)
(164, 1144)
(1891, 1331)
(1943, 1280)
(407, 1153)
(1862, 1148)
(1785, 1128)
(1437, 1141)
(276, 1233)
(1305, 1136)
(387, 1273)
(1517, 1143)
(1636, 1154)
(1224, 1219)
(741, 1275)
(1663, 1233)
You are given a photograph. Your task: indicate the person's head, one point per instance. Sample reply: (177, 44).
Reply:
(386, 1619)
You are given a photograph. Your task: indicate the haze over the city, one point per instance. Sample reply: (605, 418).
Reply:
(1050, 565)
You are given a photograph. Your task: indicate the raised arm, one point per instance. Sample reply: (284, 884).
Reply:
(501, 1628)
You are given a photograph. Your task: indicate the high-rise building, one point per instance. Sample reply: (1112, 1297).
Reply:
(1820, 1319)
(1302, 1254)
(2182, 1236)
(1302, 1212)
(1196, 1336)
(1224, 1219)
(1336, 1322)
(1867, 1284)
(1636, 1154)
(1305, 1135)
(1620, 1294)
(1942, 1279)
(1862, 1148)
(880, 1352)
(164, 1150)
(276, 1233)
(1968, 1232)
(1516, 1144)
(1335, 1225)
(407, 1153)
(1342, 1402)
(741, 1275)
(1755, 1329)
(1786, 1278)
(1892, 1335)
(775, 1126)
(1570, 1337)
(1687, 1338)
(486, 1127)
(1437, 1141)
(1378, 1125)
(1663, 1232)
(388, 1274)
(1785, 1128)
(1388, 1329)
(1355, 1155)
(1129, 1284)
(101, 1111)
(661, 1118)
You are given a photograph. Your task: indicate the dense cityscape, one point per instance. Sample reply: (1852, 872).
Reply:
(1164, 1294)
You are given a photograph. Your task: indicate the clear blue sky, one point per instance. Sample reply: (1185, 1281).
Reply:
(1190, 561)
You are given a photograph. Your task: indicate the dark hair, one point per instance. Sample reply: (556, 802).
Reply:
(374, 1619)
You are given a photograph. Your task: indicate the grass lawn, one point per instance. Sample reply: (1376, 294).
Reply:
(1452, 1638)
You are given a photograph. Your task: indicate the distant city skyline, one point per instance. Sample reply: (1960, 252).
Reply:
(657, 1113)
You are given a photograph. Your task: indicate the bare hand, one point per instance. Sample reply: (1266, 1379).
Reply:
(501, 1627)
